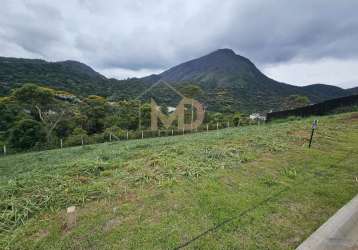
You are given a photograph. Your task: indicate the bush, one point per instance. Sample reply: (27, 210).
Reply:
(26, 134)
(76, 137)
(116, 131)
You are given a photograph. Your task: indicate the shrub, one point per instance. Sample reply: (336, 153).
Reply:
(76, 137)
(26, 134)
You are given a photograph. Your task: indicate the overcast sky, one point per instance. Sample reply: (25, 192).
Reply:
(294, 41)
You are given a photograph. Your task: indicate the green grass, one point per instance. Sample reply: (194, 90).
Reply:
(256, 187)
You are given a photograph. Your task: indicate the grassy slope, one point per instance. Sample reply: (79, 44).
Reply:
(249, 188)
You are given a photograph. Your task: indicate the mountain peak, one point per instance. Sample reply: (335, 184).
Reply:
(220, 62)
(224, 51)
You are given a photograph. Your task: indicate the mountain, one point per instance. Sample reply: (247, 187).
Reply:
(219, 65)
(323, 91)
(353, 91)
(227, 82)
(68, 75)
(233, 82)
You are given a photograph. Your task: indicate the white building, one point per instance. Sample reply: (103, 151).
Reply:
(257, 116)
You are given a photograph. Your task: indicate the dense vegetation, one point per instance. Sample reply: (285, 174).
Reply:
(69, 75)
(227, 83)
(254, 187)
(34, 117)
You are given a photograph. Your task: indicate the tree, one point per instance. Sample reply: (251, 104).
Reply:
(95, 109)
(34, 97)
(126, 115)
(9, 114)
(26, 134)
(78, 134)
(50, 120)
(214, 117)
(237, 118)
(295, 101)
(191, 90)
(42, 104)
(145, 111)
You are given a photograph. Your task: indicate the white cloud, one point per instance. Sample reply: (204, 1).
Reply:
(337, 72)
(120, 73)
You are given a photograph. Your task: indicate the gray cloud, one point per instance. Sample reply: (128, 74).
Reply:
(137, 35)
(276, 31)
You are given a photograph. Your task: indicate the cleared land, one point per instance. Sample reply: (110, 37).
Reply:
(256, 187)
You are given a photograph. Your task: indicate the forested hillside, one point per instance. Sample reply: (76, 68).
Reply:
(224, 81)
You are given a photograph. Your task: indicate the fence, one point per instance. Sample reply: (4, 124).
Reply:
(322, 108)
(140, 134)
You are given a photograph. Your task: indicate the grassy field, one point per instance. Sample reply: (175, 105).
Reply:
(256, 187)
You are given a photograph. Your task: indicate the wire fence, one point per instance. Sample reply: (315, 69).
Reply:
(82, 140)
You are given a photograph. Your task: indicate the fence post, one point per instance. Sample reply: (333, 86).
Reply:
(82, 141)
(207, 127)
(127, 135)
(4, 149)
(159, 132)
(172, 131)
(71, 217)
(142, 135)
(228, 124)
(314, 126)
(183, 130)
(110, 137)
(61, 143)
(217, 126)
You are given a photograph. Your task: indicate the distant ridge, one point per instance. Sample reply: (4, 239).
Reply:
(228, 82)
(224, 73)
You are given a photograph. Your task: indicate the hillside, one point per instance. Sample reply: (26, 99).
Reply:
(251, 187)
(71, 76)
(354, 91)
(227, 82)
(324, 92)
(232, 81)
